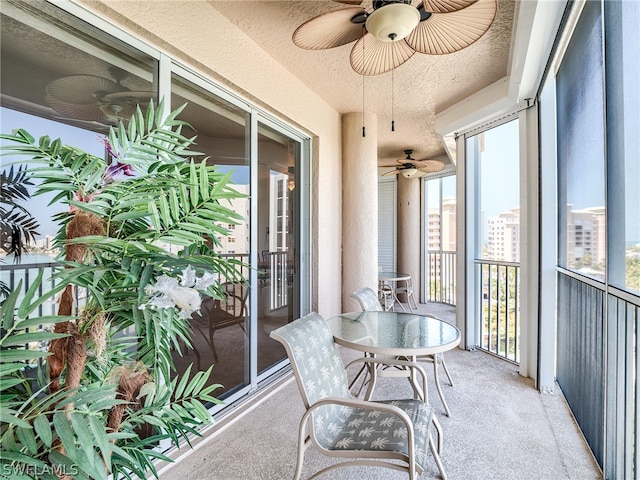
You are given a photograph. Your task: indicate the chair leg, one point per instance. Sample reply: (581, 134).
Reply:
(437, 451)
(436, 423)
(410, 298)
(303, 442)
(436, 456)
(446, 370)
(399, 303)
(438, 387)
(363, 372)
(411, 305)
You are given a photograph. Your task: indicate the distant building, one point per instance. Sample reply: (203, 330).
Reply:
(441, 234)
(237, 240)
(586, 232)
(441, 231)
(503, 236)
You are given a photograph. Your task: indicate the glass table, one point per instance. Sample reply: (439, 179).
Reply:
(395, 334)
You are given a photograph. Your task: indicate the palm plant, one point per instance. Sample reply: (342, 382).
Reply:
(107, 393)
(17, 225)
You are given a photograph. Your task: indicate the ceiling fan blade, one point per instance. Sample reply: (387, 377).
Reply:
(431, 166)
(329, 30)
(392, 172)
(446, 6)
(87, 111)
(370, 56)
(82, 89)
(444, 33)
(349, 2)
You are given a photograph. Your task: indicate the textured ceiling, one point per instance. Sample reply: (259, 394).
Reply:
(423, 86)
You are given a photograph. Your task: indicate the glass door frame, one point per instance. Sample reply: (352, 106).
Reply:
(168, 66)
(303, 178)
(302, 222)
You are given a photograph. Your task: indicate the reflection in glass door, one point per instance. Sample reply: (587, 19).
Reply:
(233, 335)
(278, 226)
(220, 332)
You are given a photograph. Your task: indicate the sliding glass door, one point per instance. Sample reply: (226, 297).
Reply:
(220, 332)
(278, 213)
(96, 81)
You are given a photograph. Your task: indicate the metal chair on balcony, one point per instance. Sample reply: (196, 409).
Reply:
(216, 314)
(367, 299)
(407, 289)
(393, 433)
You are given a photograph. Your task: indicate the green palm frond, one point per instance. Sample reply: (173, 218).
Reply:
(61, 169)
(13, 185)
(171, 199)
(17, 225)
(151, 139)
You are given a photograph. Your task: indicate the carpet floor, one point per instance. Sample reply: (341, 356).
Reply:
(500, 428)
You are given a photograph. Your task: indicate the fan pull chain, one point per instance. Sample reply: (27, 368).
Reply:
(393, 122)
(363, 130)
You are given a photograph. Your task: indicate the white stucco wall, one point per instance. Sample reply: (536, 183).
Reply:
(198, 36)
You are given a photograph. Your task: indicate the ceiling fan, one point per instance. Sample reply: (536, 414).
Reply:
(94, 98)
(410, 167)
(389, 32)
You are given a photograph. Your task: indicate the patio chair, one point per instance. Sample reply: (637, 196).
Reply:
(386, 295)
(376, 433)
(218, 314)
(407, 289)
(439, 358)
(367, 299)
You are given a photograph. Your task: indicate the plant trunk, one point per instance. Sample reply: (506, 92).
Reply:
(132, 379)
(81, 225)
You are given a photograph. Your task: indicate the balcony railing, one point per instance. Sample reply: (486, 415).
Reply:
(23, 274)
(12, 274)
(441, 277)
(276, 270)
(597, 368)
(499, 308)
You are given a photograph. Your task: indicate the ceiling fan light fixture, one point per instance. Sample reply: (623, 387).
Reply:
(393, 22)
(410, 172)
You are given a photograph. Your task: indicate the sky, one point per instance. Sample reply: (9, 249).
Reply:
(500, 170)
(499, 173)
(38, 127)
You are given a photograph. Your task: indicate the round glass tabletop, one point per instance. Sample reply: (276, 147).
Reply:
(393, 333)
(393, 276)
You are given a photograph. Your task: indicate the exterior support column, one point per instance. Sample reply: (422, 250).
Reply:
(408, 231)
(359, 206)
